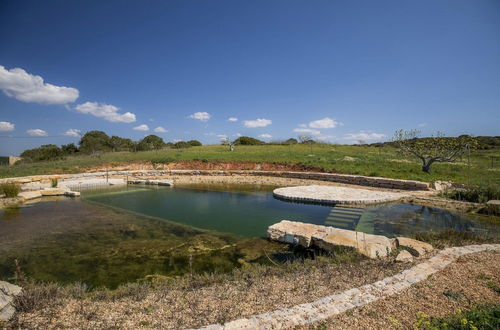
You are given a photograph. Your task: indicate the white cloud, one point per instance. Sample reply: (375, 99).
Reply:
(326, 137)
(324, 123)
(307, 130)
(160, 129)
(142, 127)
(37, 132)
(106, 111)
(260, 122)
(5, 126)
(26, 87)
(222, 136)
(233, 119)
(203, 116)
(265, 136)
(237, 134)
(422, 125)
(364, 136)
(73, 132)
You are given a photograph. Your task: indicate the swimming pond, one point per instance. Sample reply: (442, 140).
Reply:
(112, 236)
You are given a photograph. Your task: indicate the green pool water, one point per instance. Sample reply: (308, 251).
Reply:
(112, 236)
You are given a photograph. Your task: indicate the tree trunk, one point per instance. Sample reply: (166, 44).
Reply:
(426, 166)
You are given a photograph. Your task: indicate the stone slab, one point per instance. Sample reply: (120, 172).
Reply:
(27, 195)
(336, 195)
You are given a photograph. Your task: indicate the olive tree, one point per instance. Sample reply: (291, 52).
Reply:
(433, 149)
(227, 142)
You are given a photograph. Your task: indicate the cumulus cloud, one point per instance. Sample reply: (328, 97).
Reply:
(73, 132)
(307, 131)
(5, 126)
(37, 132)
(265, 136)
(202, 116)
(26, 87)
(364, 136)
(324, 123)
(237, 134)
(260, 122)
(160, 129)
(222, 136)
(142, 127)
(233, 119)
(106, 111)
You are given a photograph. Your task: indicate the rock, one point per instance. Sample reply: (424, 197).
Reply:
(30, 194)
(372, 246)
(327, 238)
(53, 192)
(404, 256)
(7, 293)
(72, 193)
(422, 248)
(293, 232)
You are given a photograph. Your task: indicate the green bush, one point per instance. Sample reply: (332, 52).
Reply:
(10, 189)
(485, 317)
(476, 194)
(248, 141)
(194, 143)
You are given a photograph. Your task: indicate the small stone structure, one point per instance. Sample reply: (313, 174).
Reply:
(7, 293)
(152, 182)
(327, 238)
(336, 195)
(330, 306)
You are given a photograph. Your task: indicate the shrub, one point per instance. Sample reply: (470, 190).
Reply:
(181, 145)
(10, 189)
(53, 183)
(194, 143)
(248, 141)
(476, 194)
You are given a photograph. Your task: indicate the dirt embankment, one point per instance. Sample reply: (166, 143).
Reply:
(207, 165)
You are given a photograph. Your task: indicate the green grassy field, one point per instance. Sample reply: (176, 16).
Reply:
(372, 161)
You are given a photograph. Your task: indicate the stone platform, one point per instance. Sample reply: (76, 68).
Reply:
(336, 195)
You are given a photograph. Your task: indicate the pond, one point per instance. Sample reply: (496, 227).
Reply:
(112, 236)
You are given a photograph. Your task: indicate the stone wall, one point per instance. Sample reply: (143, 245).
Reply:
(42, 181)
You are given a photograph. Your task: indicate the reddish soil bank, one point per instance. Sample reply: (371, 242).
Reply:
(200, 165)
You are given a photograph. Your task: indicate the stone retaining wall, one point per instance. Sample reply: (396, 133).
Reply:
(44, 181)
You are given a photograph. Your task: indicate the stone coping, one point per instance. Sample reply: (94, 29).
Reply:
(336, 195)
(330, 177)
(330, 306)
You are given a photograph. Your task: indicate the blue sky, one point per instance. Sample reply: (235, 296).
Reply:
(340, 71)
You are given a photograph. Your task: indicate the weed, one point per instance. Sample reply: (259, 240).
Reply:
(10, 189)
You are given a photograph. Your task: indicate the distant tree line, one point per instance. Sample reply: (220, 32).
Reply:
(94, 142)
(483, 142)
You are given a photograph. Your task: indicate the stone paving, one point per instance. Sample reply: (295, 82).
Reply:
(339, 303)
(336, 195)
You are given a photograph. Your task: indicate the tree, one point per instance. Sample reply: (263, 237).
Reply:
(45, 152)
(194, 143)
(121, 144)
(227, 142)
(291, 141)
(306, 139)
(151, 142)
(181, 145)
(69, 149)
(433, 149)
(95, 141)
(248, 141)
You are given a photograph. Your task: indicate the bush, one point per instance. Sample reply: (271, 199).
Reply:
(45, 152)
(248, 141)
(483, 317)
(10, 189)
(475, 194)
(181, 145)
(194, 143)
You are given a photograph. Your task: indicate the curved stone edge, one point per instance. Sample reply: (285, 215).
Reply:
(339, 303)
(359, 180)
(281, 193)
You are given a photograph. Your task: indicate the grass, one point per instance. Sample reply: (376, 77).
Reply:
(10, 189)
(360, 160)
(481, 317)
